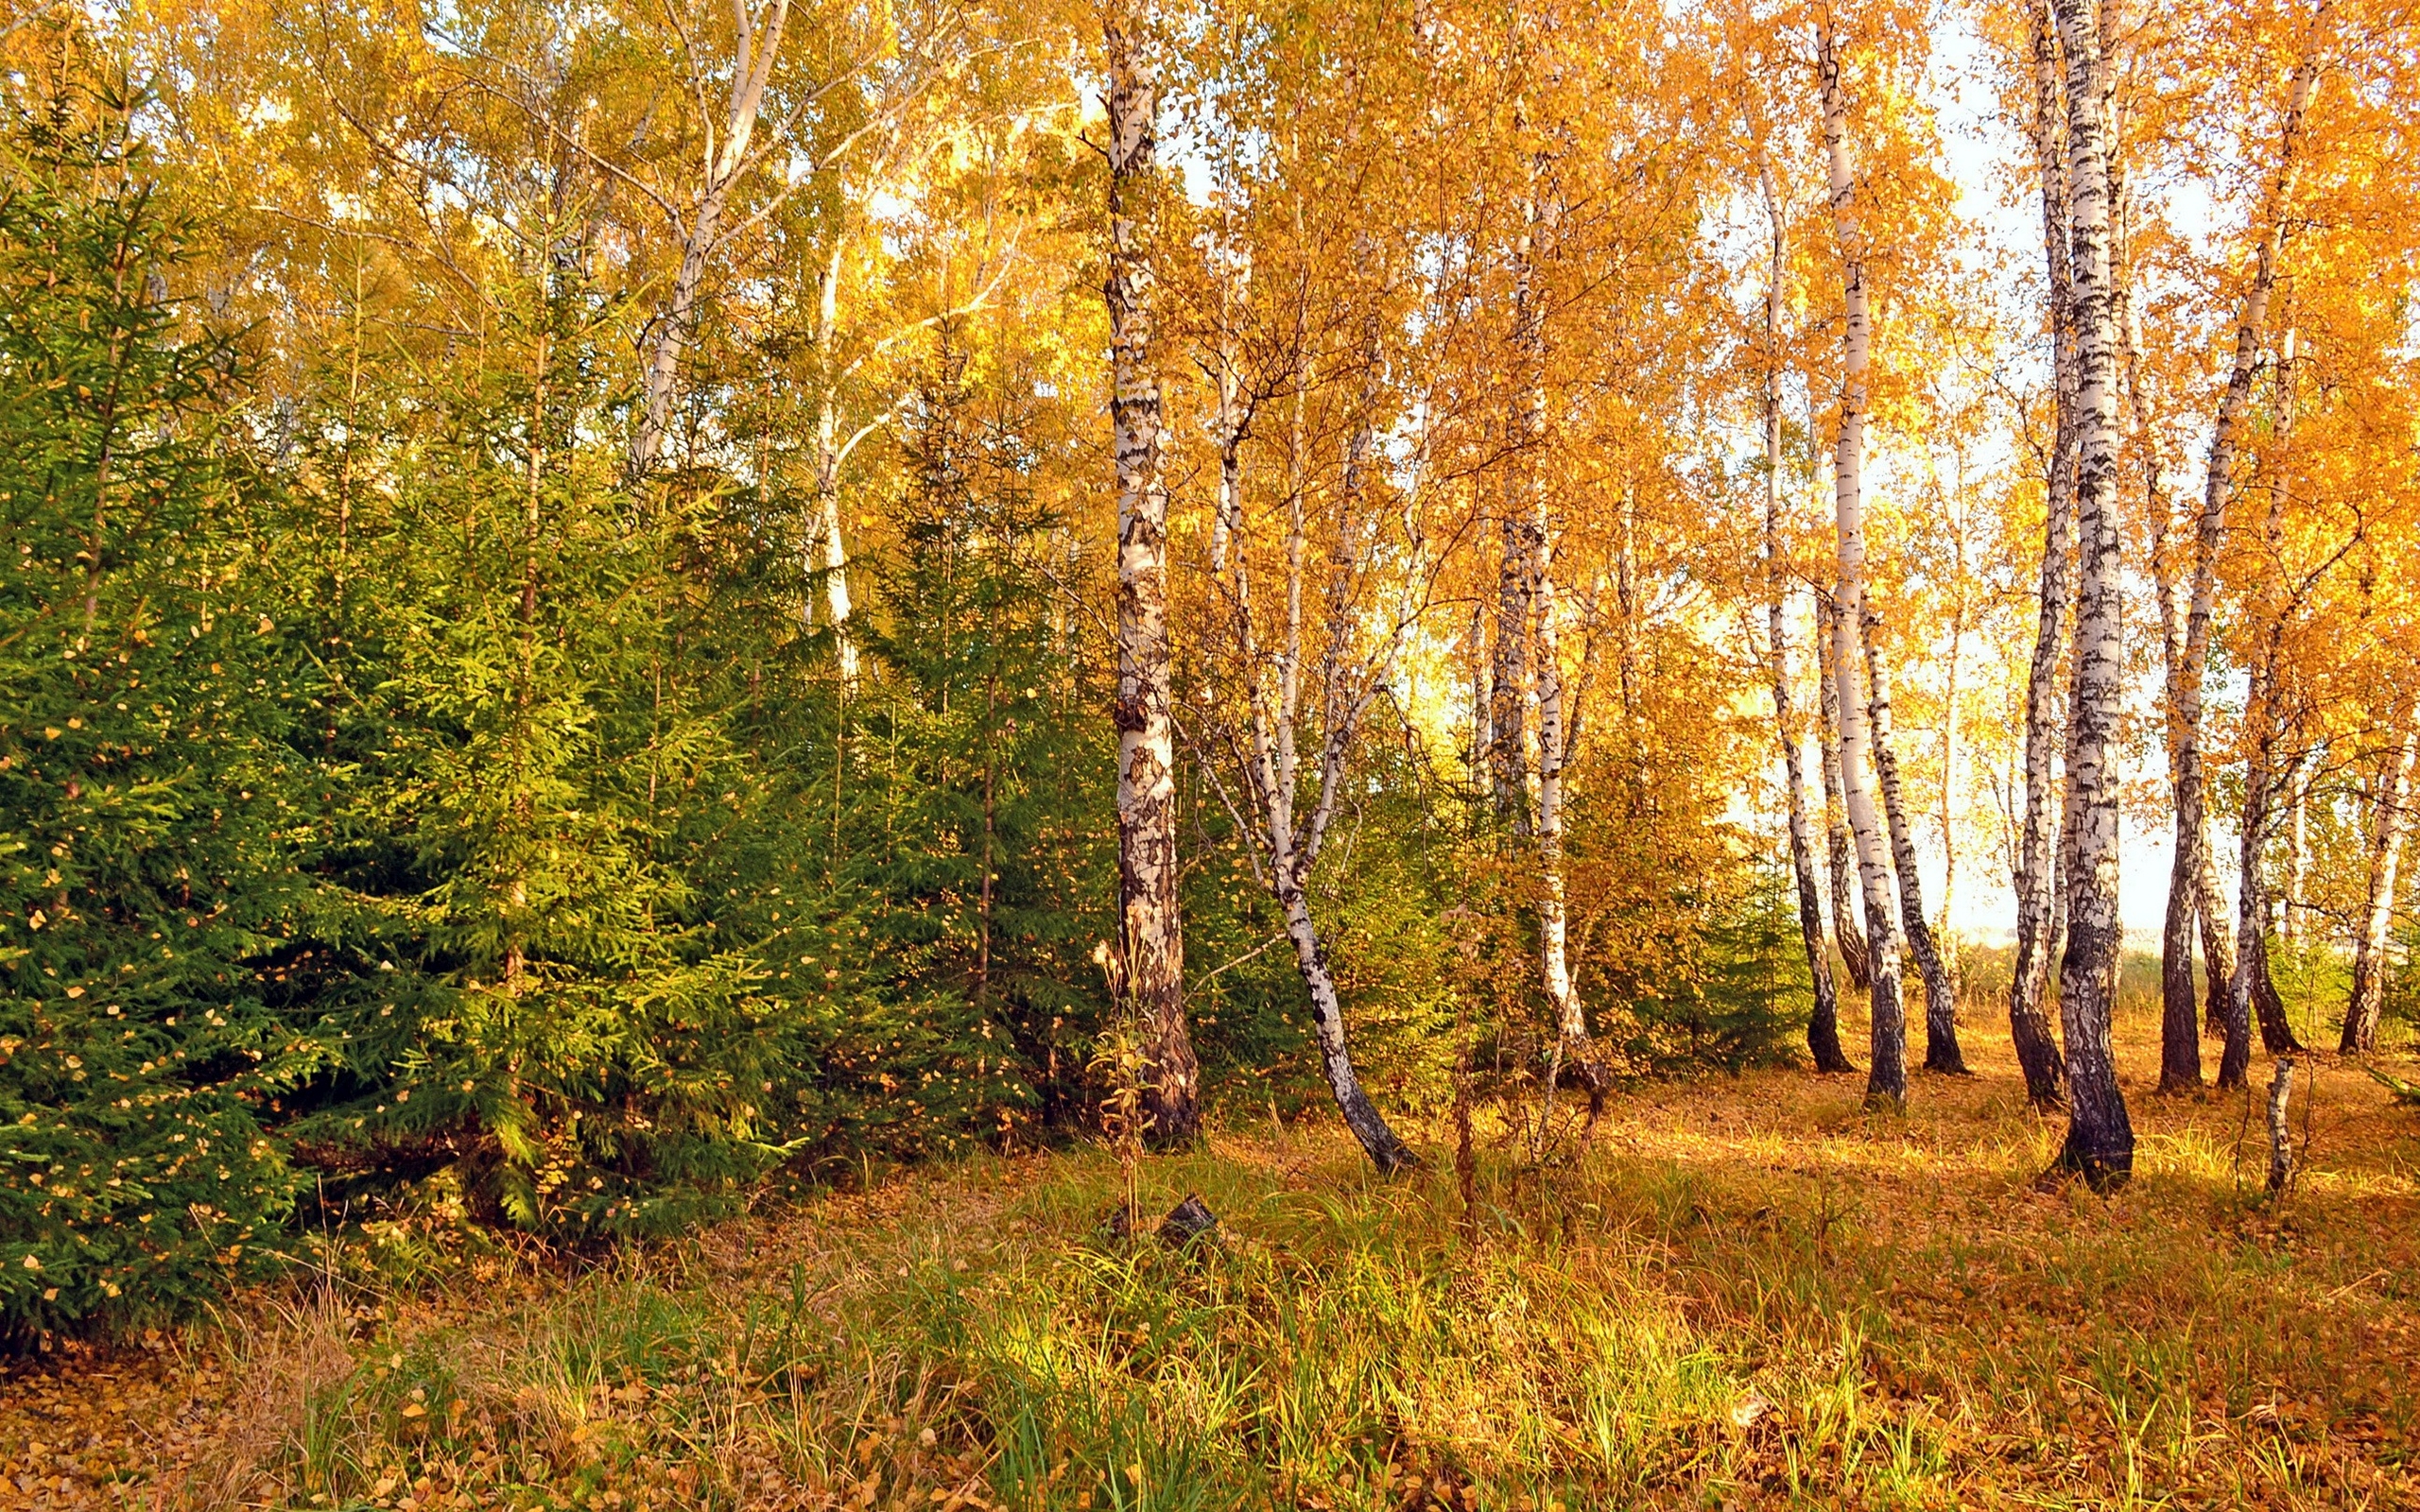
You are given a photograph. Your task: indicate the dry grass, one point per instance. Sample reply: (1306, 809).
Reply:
(1750, 1293)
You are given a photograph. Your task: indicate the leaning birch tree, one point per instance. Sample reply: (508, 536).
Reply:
(1286, 703)
(1941, 997)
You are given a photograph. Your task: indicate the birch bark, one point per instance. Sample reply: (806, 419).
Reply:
(1887, 1075)
(676, 324)
(1521, 550)
(1572, 1048)
(1823, 1022)
(2297, 856)
(2195, 874)
(2253, 990)
(2101, 1139)
(1574, 1051)
(1840, 848)
(2387, 825)
(1941, 1000)
(1949, 794)
(1286, 847)
(834, 564)
(1151, 947)
(2036, 1046)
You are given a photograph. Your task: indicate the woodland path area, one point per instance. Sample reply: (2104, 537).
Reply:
(1747, 1295)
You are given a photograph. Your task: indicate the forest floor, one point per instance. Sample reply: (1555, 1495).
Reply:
(1750, 1293)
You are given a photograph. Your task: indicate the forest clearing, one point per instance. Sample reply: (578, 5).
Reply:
(1748, 1293)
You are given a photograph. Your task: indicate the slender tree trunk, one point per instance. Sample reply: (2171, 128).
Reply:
(2180, 1053)
(1386, 1151)
(2061, 868)
(1823, 1022)
(2180, 1039)
(834, 545)
(991, 840)
(2297, 855)
(676, 324)
(1150, 935)
(834, 566)
(1268, 759)
(516, 919)
(1572, 1048)
(1840, 855)
(2196, 869)
(2387, 825)
(1508, 755)
(1515, 601)
(1887, 1075)
(2101, 1139)
(2281, 1143)
(2179, 1059)
(2037, 1048)
(2253, 991)
(1941, 1000)
(1950, 795)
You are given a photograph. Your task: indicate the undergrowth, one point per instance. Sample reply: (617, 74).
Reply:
(1747, 1292)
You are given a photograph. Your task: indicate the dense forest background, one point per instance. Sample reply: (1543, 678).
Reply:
(563, 616)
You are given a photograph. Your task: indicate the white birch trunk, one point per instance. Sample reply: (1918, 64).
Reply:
(2196, 864)
(1823, 1022)
(2253, 990)
(1940, 1000)
(1522, 548)
(1839, 849)
(1554, 965)
(833, 566)
(2037, 1048)
(676, 324)
(1887, 1075)
(2101, 1139)
(1286, 851)
(1151, 947)
(2388, 822)
(1528, 424)
(1950, 795)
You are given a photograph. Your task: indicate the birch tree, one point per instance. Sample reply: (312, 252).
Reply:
(1887, 1075)
(1840, 848)
(2029, 1031)
(729, 155)
(2269, 769)
(2390, 819)
(1822, 1024)
(1300, 671)
(1149, 956)
(2101, 1139)
(2193, 887)
(1941, 997)
(1536, 599)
